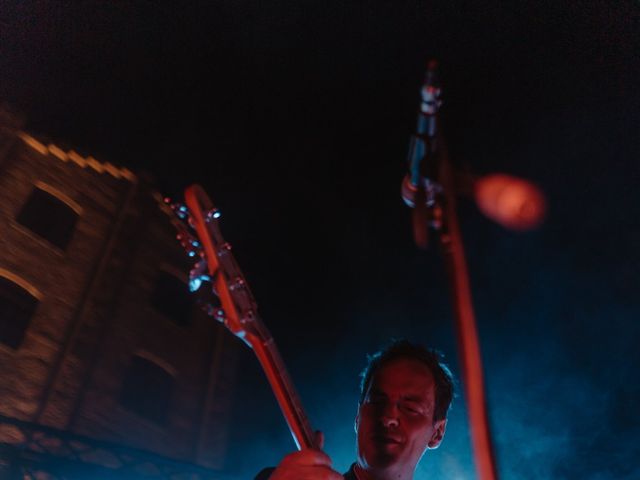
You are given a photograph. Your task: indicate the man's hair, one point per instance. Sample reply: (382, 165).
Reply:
(442, 376)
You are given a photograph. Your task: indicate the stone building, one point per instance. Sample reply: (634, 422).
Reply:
(102, 351)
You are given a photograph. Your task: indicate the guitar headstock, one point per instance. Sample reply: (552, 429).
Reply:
(214, 268)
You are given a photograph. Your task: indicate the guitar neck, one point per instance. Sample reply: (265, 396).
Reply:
(238, 308)
(282, 386)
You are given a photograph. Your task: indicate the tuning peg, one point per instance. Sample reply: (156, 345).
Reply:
(193, 248)
(213, 311)
(198, 275)
(180, 210)
(190, 243)
(219, 314)
(212, 214)
(196, 282)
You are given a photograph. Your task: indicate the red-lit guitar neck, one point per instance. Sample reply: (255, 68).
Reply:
(238, 311)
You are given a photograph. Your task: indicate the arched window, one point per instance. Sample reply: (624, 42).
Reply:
(49, 214)
(146, 390)
(171, 297)
(17, 306)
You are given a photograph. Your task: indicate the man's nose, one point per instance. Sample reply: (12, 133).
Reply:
(389, 415)
(389, 422)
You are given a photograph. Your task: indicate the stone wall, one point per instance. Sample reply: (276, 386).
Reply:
(95, 314)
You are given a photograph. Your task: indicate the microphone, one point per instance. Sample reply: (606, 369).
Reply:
(419, 188)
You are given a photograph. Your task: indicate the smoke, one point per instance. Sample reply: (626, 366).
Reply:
(560, 363)
(557, 311)
(561, 376)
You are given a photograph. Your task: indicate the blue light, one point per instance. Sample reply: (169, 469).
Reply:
(196, 282)
(212, 214)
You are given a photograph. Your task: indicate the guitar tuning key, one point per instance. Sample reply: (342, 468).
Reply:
(190, 244)
(214, 311)
(194, 250)
(167, 201)
(196, 282)
(198, 275)
(219, 315)
(180, 210)
(212, 214)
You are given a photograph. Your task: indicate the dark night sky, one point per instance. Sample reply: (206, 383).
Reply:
(295, 115)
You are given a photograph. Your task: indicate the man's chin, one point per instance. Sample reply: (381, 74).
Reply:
(384, 456)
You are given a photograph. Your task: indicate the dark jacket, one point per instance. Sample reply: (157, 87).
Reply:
(266, 473)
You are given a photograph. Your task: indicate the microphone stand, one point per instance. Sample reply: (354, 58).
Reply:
(467, 332)
(435, 203)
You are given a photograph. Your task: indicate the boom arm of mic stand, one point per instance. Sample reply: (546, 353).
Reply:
(467, 332)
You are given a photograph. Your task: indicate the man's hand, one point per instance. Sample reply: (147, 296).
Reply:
(307, 464)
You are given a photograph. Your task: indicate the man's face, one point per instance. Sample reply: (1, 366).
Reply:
(395, 421)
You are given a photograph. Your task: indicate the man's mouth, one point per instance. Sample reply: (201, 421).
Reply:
(387, 439)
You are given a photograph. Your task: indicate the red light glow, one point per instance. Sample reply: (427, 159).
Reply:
(512, 202)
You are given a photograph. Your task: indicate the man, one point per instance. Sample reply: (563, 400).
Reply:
(405, 395)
